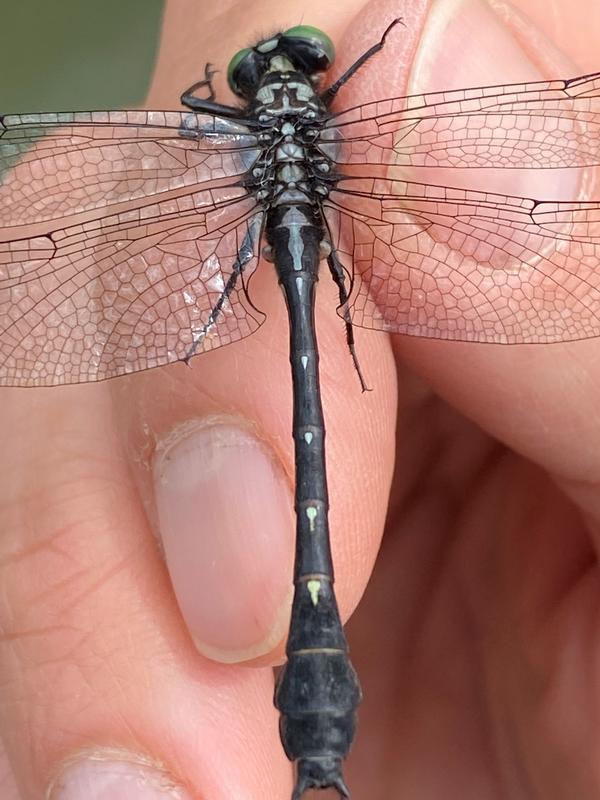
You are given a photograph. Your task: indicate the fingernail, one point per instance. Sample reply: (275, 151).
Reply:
(225, 517)
(100, 778)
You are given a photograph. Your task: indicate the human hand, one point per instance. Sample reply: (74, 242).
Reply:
(484, 596)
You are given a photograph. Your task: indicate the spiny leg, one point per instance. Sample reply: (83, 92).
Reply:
(244, 255)
(207, 104)
(328, 95)
(337, 273)
(188, 98)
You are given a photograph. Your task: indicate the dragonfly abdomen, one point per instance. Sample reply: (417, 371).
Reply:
(317, 692)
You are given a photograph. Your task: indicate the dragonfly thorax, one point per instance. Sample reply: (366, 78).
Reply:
(291, 168)
(287, 94)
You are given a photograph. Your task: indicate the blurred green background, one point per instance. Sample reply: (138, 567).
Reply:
(77, 54)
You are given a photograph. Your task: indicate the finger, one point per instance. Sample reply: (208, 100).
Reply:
(563, 26)
(540, 400)
(251, 381)
(529, 559)
(221, 456)
(90, 620)
(93, 652)
(8, 786)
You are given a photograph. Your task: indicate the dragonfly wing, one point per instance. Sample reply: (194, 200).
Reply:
(456, 264)
(56, 165)
(121, 232)
(545, 124)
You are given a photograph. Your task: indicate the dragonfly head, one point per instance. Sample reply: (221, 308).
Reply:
(306, 49)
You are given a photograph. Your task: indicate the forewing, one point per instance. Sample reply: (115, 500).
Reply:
(454, 264)
(120, 234)
(56, 165)
(525, 125)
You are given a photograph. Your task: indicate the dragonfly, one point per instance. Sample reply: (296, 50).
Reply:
(128, 239)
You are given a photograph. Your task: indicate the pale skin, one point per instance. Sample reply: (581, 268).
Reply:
(480, 672)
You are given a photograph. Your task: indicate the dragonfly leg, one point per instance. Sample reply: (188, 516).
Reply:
(188, 95)
(337, 273)
(328, 95)
(244, 255)
(207, 104)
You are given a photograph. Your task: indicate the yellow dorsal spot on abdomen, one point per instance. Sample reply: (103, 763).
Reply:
(314, 587)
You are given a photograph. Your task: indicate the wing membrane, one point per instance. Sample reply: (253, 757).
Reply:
(122, 235)
(53, 166)
(545, 124)
(456, 264)
(96, 301)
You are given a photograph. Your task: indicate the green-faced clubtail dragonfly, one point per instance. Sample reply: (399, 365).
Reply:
(128, 238)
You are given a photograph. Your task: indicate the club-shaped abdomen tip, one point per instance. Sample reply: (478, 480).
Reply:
(317, 694)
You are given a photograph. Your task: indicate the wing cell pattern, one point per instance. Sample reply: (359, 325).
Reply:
(126, 237)
(471, 266)
(54, 165)
(119, 233)
(548, 124)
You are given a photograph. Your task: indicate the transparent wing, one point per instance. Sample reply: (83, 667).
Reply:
(455, 264)
(55, 165)
(125, 242)
(524, 125)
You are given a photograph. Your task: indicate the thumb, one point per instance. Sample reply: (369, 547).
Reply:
(540, 400)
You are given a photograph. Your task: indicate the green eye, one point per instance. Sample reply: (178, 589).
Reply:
(313, 35)
(234, 64)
